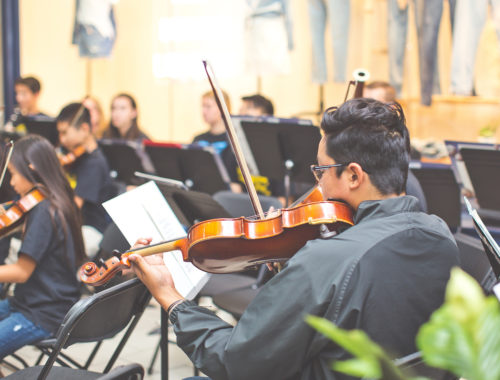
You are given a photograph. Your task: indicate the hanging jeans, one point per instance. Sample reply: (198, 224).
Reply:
(470, 19)
(428, 19)
(337, 12)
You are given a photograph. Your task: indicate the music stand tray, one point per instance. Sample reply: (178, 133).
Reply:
(200, 168)
(274, 141)
(123, 158)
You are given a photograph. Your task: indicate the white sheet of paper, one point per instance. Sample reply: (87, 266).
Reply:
(144, 212)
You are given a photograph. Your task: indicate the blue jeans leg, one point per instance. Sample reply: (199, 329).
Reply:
(397, 28)
(16, 330)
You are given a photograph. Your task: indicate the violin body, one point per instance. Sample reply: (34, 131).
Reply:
(14, 215)
(69, 158)
(234, 245)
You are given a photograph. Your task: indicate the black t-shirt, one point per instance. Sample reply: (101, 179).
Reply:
(89, 176)
(52, 288)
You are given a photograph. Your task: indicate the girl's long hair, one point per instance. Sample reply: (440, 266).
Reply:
(35, 159)
(133, 132)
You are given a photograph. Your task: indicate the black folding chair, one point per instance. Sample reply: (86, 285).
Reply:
(126, 372)
(94, 319)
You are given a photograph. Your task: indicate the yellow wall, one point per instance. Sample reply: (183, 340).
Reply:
(170, 110)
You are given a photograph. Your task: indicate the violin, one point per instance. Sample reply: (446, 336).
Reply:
(70, 157)
(14, 215)
(232, 245)
(14, 211)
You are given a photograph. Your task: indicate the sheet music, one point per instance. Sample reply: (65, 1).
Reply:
(144, 212)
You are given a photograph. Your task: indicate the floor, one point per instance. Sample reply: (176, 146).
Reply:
(139, 348)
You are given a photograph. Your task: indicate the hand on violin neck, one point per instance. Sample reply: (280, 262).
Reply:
(153, 272)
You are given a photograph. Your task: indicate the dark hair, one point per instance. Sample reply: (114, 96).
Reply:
(259, 101)
(389, 90)
(31, 82)
(133, 133)
(75, 114)
(372, 134)
(35, 159)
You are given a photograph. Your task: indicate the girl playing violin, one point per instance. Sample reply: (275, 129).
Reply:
(50, 252)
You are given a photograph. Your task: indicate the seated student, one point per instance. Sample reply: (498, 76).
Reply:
(385, 275)
(88, 174)
(386, 93)
(27, 91)
(256, 105)
(51, 250)
(216, 135)
(123, 124)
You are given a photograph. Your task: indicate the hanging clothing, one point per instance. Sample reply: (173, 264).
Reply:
(95, 28)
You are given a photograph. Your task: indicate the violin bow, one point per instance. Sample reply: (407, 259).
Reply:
(6, 155)
(233, 140)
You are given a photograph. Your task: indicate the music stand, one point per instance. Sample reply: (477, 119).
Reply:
(46, 127)
(190, 207)
(282, 149)
(489, 244)
(441, 191)
(123, 159)
(200, 168)
(483, 167)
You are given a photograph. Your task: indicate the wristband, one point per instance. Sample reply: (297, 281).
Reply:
(173, 305)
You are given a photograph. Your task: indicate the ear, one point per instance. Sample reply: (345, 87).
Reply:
(85, 127)
(355, 175)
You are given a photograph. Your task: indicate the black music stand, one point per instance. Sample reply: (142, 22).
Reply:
(199, 168)
(283, 149)
(441, 191)
(489, 244)
(483, 167)
(123, 159)
(45, 127)
(190, 207)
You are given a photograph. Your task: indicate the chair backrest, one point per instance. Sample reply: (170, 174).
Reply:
(240, 205)
(101, 316)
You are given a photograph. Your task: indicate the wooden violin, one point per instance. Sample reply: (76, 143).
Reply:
(70, 157)
(15, 212)
(232, 245)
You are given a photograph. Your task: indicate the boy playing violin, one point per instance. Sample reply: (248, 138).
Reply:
(88, 174)
(384, 275)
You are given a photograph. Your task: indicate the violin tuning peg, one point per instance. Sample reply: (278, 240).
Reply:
(116, 253)
(103, 263)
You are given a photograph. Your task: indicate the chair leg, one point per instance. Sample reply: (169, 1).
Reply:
(92, 355)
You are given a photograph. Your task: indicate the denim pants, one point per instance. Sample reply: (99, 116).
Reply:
(16, 330)
(470, 18)
(428, 19)
(337, 12)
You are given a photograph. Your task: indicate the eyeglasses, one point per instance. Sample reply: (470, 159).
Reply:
(318, 170)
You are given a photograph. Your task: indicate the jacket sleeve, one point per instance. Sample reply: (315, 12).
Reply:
(271, 340)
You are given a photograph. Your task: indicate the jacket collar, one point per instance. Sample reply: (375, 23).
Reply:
(385, 207)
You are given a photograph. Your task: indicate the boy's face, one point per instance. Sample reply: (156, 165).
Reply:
(71, 137)
(25, 98)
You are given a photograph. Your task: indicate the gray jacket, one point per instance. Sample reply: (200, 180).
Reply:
(385, 275)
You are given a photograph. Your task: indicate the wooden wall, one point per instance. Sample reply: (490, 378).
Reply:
(170, 110)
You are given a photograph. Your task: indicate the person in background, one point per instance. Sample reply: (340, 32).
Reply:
(216, 136)
(256, 105)
(27, 91)
(88, 174)
(385, 93)
(50, 253)
(97, 122)
(123, 124)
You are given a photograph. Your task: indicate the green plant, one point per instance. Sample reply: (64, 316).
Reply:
(462, 336)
